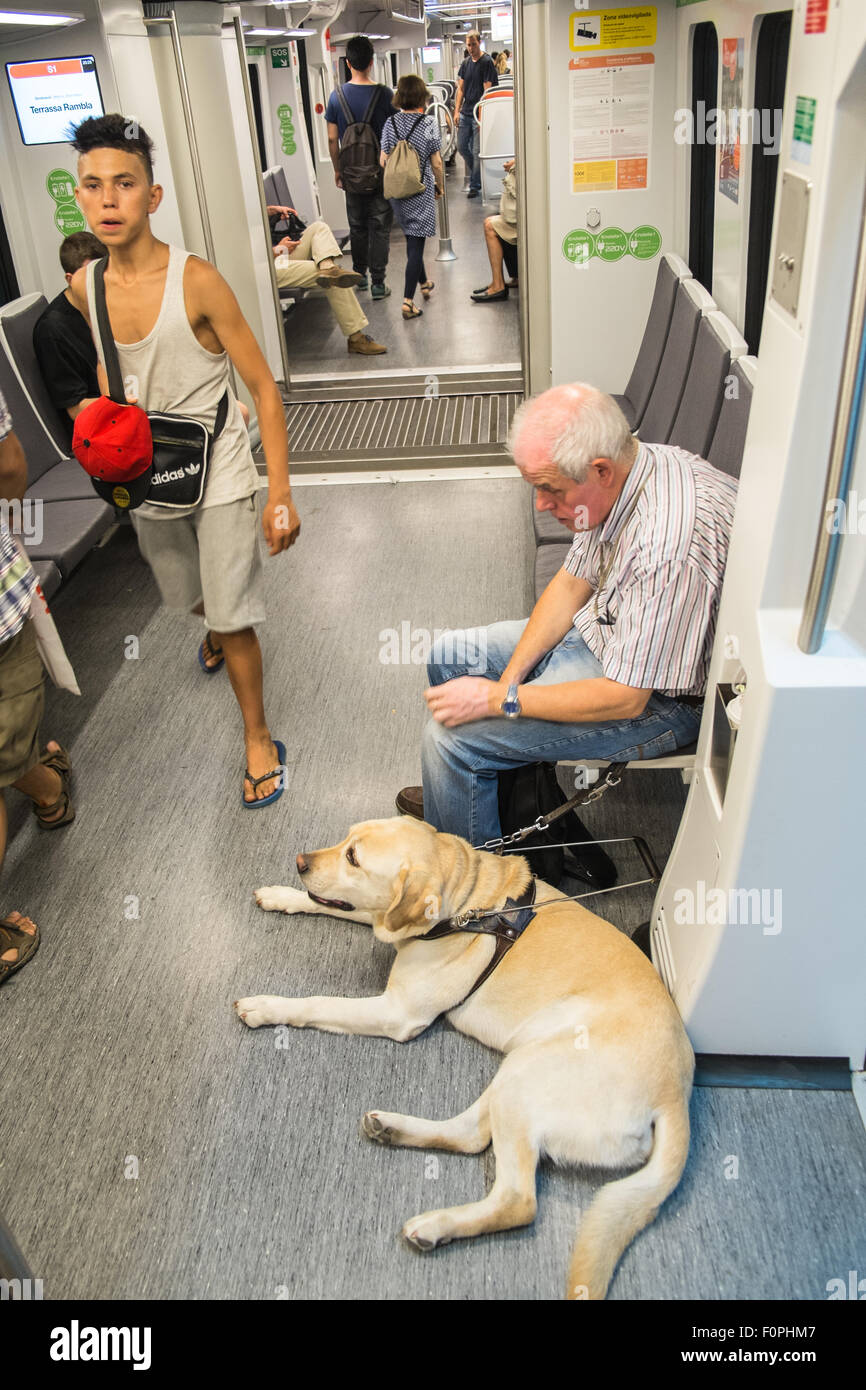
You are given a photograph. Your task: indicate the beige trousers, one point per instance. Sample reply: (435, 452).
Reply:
(300, 267)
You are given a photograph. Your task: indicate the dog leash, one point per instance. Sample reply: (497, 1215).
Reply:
(612, 778)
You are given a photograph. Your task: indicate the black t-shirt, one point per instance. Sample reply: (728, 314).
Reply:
(474, 76)
(66, 355)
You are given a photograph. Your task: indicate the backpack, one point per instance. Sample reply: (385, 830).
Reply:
(360, 171)
(527, 792)
(403, 170)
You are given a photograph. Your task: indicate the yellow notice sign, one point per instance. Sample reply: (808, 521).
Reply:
(594, 175)
(634, 28)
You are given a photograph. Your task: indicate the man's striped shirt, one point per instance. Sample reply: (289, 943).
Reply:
(17, 580)
(652, 621)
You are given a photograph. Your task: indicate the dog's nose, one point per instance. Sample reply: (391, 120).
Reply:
(302, 864)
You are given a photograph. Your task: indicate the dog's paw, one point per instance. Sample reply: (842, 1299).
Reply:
(260, 1009)
(427, 1231)
(277, 899)
(373, 1127)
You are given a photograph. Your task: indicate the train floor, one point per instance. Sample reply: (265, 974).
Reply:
(453, 332)
(154, 1147)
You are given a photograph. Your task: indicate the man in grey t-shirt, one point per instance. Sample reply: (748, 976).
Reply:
(475, 76)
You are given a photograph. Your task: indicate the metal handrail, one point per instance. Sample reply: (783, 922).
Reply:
(846, 426)
(522, 212)
(263, 202)
(446, 250)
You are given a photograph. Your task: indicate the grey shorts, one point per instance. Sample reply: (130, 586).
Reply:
(212, 555)
(22, 701)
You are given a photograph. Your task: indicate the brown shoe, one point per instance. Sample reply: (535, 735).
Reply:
(410, 802)
(336, 279)
(362, 342)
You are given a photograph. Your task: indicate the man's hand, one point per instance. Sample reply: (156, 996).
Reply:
(287, 245)
(274, 210)
(280, 522)
(338, 180)
(464, 699)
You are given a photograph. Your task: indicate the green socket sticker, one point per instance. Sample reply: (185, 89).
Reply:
(645, 242)
(69, 218)
(579, 246)
(611, 244)
(61, 185)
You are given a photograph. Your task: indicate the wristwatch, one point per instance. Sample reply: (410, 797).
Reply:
(510, 706)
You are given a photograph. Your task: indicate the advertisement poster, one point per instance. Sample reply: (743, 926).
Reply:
(610, 115)
(729, 109)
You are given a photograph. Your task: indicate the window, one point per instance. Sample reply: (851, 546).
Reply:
(771, 68)
(705, 81)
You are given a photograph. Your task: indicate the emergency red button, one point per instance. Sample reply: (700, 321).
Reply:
(319, 108)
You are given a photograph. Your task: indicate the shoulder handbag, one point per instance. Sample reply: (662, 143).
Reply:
(525, 793)
(404, 170)
(181, 445)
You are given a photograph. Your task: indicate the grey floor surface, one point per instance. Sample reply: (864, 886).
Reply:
(154, 1147)
(446, 335)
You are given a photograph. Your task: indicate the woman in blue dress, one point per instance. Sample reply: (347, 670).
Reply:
(416, 215)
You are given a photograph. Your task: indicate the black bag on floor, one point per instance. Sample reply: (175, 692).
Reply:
(525, 793)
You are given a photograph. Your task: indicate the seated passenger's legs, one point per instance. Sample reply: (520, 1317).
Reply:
(460, 765)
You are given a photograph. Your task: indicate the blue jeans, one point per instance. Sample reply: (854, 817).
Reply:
(467, 147)
(459, 766)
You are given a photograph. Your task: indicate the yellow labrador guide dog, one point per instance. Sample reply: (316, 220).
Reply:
(597, 1070)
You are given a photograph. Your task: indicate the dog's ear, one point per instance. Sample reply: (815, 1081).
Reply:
(413, 900)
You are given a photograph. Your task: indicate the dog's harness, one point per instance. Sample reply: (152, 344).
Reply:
(507, 926)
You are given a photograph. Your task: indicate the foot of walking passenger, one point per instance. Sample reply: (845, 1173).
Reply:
(263, 757)
(210, 655)
(47, 786)
(19, 937)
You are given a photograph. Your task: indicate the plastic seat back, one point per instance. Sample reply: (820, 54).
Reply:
(643, 378)
(726, 450)
(35, 419)
(718, 344)
(691, 302)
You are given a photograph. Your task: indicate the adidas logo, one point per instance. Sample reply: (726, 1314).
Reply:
(173, 475)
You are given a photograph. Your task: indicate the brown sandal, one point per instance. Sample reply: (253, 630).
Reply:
(411, 310)
(25, 945)
(428, 288)
(46, 815)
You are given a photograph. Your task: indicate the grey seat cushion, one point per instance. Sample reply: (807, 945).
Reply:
(65, 482)
(49, 577)
(548, 559)
(726, 450)
(69, 530)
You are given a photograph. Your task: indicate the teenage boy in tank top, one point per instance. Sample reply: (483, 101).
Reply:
(177, 323)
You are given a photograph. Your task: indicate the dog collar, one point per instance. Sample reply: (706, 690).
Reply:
(507, 925)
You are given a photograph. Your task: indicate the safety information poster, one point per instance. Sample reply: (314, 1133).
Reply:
(610, 113)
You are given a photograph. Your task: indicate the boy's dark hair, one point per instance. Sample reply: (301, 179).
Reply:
(411, 92)
(113, 132)
(359, 53)
(79, 248)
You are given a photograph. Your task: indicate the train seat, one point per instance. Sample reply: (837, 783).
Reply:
(69, 531)
(49, 577)
(277, 194)
(633, 402)
(717, 345)
(726, 449)
(691, 303)
(73, 518)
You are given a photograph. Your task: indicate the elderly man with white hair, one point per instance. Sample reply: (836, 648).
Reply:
(613, 660)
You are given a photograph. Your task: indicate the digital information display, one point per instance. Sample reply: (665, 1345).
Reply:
(51, 96)
(431, 55)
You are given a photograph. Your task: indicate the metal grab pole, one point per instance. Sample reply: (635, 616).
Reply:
(846, 427)
(198, 178)
(260, 185)
(446, 250)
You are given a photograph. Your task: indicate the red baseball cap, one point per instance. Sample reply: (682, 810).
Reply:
(113, 443)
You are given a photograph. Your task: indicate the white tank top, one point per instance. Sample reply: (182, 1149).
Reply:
(175, 373)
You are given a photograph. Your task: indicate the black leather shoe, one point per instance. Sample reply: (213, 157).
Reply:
(410, 802)
(482, 297)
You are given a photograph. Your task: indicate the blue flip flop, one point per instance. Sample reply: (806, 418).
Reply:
(209, 670)
(275, 772)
